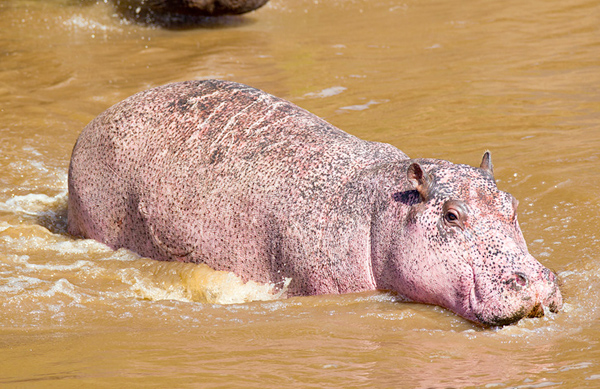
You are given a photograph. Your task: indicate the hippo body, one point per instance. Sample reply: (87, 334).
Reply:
(192, 7)
(220, 173)
(176, 13)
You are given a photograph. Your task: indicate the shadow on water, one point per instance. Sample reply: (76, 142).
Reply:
(54, 218)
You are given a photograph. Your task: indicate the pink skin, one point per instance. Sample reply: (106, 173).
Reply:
(220, 173)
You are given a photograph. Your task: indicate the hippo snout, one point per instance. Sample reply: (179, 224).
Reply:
(551, 296)
(539, 291)
(527, 292)
(543, 292)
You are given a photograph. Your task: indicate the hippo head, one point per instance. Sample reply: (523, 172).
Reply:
(462, 247)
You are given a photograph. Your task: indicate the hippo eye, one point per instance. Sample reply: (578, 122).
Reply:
(451, 216)
(454, 212)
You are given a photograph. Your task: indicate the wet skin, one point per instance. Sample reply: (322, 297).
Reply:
(224, 174)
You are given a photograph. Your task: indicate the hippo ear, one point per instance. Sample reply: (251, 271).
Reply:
(420, 180)
(486, 163)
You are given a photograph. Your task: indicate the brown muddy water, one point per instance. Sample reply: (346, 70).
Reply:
(446, 79)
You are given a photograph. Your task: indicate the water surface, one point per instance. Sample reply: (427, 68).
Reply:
(445, 79)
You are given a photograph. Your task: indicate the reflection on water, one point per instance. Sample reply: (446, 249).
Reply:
(446, 80)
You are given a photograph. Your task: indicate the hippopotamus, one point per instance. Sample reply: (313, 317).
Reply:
(224, 174)
(182, 12)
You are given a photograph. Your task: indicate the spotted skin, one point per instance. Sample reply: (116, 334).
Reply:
(221, 173)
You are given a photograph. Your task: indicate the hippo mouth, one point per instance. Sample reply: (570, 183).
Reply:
(498, 321)
(487, 317)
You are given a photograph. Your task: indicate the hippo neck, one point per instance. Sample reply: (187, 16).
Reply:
(392, 197)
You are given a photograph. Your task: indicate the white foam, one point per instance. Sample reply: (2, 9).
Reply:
(362, 107)
(18, 284)
(146, 289)
(33, 204)
(79, 265)
(80, 22)
(196, 283)
(327, 92)
(61, 286)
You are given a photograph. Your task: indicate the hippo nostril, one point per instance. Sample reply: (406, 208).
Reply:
(550, 276)
(519, 281)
